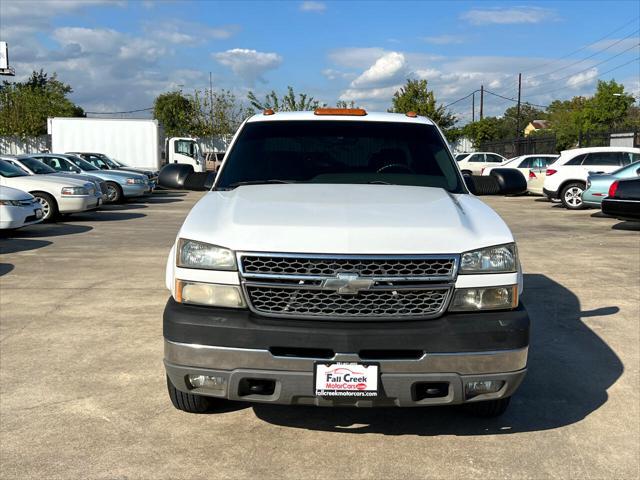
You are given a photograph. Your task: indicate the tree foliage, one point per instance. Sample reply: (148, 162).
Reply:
(287, 103)
(175, 112)
(25, 106)
(415, 96)
(201, 114)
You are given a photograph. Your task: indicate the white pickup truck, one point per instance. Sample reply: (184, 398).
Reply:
(340, 259)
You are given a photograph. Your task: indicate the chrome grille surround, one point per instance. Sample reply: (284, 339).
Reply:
(406, 287)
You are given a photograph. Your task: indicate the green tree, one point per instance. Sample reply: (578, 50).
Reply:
(608, 108)
(287, 103)
(25, 106)
(175, 112)
(345, 104)
(414, 96)
(486, 130)
(217, 113)
(510, 123)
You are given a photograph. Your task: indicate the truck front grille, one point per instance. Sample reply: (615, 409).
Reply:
(348, 286)
(364, 267)
(371, 303)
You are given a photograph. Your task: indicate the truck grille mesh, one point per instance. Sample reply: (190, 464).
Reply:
(347, 286)
(371, 303)
(271, 265)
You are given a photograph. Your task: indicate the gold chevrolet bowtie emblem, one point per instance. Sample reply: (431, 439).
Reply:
(347, 283)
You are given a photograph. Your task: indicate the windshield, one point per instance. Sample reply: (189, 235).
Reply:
(112, 162)
(627, 168)
(8, 170)
(37, 167)
(82, 164)
(329, 151)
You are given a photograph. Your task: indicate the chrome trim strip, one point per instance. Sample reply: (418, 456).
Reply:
(227, 358)
(293, 286)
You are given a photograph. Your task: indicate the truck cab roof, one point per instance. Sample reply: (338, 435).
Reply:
(368, 117)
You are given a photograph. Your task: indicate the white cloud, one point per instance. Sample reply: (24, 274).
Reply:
(443, 39)
(355, 57)
(250, 65)
(332, 74)
(511, 15)
(615, 45)
(390, 68)
(180, 32)
(356, 94)
(582, 78)
(311, 6)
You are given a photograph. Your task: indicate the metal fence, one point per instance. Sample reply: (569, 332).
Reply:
(17, 145)
(549, 144)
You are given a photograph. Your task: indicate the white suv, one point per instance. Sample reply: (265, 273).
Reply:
(475, 163)
(341, 260)
(566, 178)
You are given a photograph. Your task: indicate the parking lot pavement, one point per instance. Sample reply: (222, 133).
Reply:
(83, 395)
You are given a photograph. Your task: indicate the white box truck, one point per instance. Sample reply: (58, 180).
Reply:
(136, 143)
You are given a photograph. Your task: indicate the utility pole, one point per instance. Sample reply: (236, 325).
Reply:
(481, 102)
(518, 115)
(473, 107)
(211, 106)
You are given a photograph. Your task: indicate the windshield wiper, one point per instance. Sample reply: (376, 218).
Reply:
(255, 182)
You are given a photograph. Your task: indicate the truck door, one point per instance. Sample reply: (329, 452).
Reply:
(186, 150)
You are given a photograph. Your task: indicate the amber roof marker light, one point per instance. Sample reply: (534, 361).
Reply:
(268, 111)
(356, 112)
(411, 114)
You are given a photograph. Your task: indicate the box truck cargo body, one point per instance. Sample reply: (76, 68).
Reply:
(137, 143)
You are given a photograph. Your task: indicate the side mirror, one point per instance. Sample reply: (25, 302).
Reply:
(174, 175)
(510, 181)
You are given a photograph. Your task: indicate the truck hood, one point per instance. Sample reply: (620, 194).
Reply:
(344, 219)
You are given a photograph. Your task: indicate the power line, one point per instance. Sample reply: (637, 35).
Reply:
(121, 113)
(583, 47)
(515, 100)
(538, 87)
(601, 75)
(587, 58)
(460, 99)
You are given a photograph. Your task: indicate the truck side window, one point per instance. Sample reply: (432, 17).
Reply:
(184, 147)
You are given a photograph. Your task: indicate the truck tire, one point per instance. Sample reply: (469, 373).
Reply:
(485, 185)
(510, 180)
(114, 192)
(489, 408)
(571, 195)
(174, 175)
(48, 204)
(188, 402)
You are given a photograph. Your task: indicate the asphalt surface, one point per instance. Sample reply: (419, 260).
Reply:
(82, 385)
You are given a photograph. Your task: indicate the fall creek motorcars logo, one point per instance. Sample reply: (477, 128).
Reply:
(342, 378)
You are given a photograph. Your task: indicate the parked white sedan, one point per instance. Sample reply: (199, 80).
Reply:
(532, 167)
(55, 194)
(18, 209)
(474, 163)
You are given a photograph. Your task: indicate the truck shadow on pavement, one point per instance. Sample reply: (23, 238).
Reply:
(570, 369)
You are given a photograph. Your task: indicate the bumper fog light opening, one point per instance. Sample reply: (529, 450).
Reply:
(480, 387)
(206, 381)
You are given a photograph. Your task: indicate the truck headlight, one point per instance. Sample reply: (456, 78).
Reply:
(485, 298)
(74, 191)
(210, 294)
(498, 259)
(135, 181)
(193, 254)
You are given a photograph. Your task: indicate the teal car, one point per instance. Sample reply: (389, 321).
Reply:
(598, 184)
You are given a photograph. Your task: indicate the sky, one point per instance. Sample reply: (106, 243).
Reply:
(119, 55)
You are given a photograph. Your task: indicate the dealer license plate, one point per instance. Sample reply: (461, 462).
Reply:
(346, 380)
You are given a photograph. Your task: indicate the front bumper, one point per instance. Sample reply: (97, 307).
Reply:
(134, 190)
(72, 204)
(19, 216)
(236, 345)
